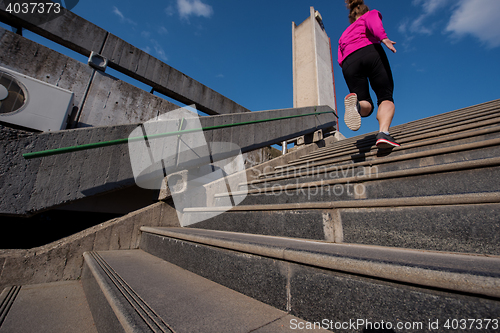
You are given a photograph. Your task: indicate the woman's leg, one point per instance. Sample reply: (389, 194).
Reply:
(385, 114)
(365, 108)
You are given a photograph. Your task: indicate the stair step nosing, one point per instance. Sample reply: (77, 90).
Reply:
(448, 167)
(399, 158)
(428, 140)
(438, 200)
(398, 272)
(417, 123)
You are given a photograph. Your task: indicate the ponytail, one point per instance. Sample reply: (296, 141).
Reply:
(356, 9)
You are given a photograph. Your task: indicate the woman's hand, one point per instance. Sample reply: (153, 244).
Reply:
(390, 44)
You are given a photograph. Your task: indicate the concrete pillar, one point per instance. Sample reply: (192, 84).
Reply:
(313, 82)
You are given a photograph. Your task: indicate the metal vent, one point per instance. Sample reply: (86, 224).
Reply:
(13, 94)
(31, 103)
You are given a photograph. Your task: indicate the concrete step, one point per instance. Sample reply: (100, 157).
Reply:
(451, 178)
(133, 291)
(446, 123)
(465, 223)
(331, 155)
(337, 282)
(58, 307)
(335, 168)
(437, 139)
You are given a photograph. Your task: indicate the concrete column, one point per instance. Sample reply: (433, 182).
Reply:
(313, 82)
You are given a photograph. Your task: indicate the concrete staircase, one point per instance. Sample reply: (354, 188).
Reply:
(347, 238)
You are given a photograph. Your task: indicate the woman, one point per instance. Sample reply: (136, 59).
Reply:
(362, 58)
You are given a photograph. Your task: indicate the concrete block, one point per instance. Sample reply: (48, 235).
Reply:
(77, 245)
(167, 217)
(128, 52)
(48, 264)
(142, 64)
(102, 238)
(468, 228)
(297, 223)
(260, 278)
(317, 136)
(318, 294)
(14, 267)
(114, 102)
(97, 61)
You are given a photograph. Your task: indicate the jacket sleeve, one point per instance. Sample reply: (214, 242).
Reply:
(374, 24)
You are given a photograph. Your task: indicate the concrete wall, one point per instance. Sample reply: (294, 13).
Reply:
(312, 64)
(63, 259)
(31, 186)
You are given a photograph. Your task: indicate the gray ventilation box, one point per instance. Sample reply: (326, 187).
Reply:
(32, 103)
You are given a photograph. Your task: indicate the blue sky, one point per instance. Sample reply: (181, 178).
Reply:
(448, 51)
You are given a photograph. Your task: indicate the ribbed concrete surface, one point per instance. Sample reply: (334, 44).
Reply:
(189, 303)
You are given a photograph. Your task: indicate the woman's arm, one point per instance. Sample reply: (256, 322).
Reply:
(390, 44)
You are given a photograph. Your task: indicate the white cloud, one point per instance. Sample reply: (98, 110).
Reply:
(122, 17)
(478, 18)
(170, 10)
(162, 30)
(159, 51)
(194, 7)
(430, 7)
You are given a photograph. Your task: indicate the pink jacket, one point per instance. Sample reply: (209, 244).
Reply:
(366, 30)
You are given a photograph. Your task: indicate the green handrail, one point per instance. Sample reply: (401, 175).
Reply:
(64, 150)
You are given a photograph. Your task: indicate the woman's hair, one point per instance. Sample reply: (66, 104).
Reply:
(356, 9)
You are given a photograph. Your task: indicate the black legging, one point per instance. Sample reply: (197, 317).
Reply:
(369, 63)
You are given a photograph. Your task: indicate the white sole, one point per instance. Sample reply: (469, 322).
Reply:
(384, 144)
(351, 117)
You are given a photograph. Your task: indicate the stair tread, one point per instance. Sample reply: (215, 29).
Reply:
(416, 266)
(190, 303)
(431, 200)
(50, 307)
(339, 151)
(405, 163)
(353, 176)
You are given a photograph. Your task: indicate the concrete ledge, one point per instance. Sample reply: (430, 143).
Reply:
(435, 200)
(455, 272)
(277, 277)
(63, 259)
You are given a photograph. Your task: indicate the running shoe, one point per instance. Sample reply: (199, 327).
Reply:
(385, 141)
(351, 117)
